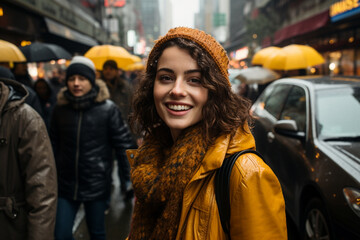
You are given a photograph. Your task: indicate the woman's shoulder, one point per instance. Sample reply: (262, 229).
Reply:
(250, 165)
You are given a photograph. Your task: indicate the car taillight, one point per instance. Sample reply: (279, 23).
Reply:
(352, 196)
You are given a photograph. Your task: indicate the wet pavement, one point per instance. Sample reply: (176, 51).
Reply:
(117, 221)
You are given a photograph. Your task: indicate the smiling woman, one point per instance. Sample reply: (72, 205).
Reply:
(192, 121)
(178, 93)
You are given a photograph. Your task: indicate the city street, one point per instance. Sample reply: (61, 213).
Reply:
(117, 221)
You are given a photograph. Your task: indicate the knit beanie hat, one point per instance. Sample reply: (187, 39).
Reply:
(206, 41)
(83, 66)
(6, 73)
(110, 63)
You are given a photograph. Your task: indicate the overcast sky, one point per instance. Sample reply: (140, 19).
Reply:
(183, 12)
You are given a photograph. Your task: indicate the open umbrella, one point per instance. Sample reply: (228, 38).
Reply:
(136, 58)
(44, 52)
(135, 66)
(10, 52)
(101, 53)
(260, 56)
(293, 57)
(257, 75)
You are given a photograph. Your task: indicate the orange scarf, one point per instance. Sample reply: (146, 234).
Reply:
(159, 177)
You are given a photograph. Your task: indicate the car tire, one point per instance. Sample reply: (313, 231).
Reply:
(316, 223)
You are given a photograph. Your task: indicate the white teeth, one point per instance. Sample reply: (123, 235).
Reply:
(179, 107)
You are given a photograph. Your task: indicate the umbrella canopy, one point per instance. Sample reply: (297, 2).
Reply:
(293, 57)
(135, 66)
(260, 56)
(101, 53)
(233, 72)
(257, 75)
(10, 52)
(44, 52)
(136, 58)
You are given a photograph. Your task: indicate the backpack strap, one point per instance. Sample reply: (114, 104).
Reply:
(222, 188)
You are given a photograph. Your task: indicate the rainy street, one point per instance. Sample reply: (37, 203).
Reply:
(100, 99)
(117, 221)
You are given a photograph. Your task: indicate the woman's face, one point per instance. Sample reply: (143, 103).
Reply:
(178, 94)
(78, 85)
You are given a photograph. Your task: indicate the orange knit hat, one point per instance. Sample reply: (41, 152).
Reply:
(206, 41)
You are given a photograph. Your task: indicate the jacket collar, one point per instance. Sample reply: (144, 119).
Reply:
(101, 96)
(225, 145)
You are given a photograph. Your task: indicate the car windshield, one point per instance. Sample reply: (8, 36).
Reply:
(338, 113)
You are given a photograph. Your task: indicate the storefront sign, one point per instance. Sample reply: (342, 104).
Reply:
(344, 9)
(63, 13)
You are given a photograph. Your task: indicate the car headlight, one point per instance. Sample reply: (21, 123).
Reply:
(352, 196)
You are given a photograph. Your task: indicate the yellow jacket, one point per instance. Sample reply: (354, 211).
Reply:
(256, 200)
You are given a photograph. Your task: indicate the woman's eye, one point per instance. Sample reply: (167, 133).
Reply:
(165, 78)
(195, 80)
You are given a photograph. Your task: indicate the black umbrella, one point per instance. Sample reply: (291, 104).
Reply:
(44, 52)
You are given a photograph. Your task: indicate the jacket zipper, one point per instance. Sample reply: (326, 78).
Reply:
(77, 157)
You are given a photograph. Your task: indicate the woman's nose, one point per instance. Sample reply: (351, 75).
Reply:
(179, 88)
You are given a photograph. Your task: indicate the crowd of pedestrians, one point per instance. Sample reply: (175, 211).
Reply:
(60, 148)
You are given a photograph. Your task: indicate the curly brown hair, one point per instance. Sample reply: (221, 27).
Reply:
(223, 113)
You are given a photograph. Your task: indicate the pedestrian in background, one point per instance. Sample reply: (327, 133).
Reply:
(57, 81)
(85, 127)
(121, 94)
(21, 73)
(47, 99)
(32, 99)
(28, 185)
(192, 121)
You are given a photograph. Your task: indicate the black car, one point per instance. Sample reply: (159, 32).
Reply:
(308, 130)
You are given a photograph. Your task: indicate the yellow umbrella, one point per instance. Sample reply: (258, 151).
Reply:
(10, 52)
(293, 57)
(135, 66)
(136, 58)
(101, 53)
(260, 56)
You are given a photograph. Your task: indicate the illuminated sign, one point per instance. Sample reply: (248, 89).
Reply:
(114, 3)
(344, 9)
(241, 53)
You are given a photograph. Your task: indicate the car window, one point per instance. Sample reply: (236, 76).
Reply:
(274, 103)
(295, 107)
(338, 112)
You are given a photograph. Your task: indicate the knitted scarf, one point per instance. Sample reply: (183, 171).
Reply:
(159, 177)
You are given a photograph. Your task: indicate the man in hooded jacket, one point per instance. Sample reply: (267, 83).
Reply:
(28, 185)
(32, 99)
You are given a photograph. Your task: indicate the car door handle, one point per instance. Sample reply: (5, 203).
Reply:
(270, 137)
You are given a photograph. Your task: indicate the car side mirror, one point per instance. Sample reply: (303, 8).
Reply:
(289, 128)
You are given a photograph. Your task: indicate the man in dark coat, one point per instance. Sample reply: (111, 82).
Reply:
(85, 129)
(28, 186)
(121, 94)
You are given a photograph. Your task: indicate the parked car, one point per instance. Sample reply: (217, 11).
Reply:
(308, 131)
